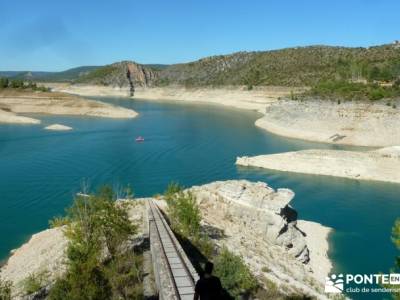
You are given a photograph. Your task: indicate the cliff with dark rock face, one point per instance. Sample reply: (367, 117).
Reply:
(121, 74)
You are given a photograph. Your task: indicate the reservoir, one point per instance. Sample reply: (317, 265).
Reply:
(192, 144)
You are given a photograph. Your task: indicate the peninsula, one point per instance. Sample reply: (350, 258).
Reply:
(14, 102)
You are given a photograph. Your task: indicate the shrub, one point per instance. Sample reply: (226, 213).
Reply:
(184, 214)
(58, 222)
(5, 289)
(34, 282)
(17, 83)
(235, 276)
(3, 83)
(97, 230)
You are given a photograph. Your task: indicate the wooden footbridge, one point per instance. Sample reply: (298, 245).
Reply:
(174, 274)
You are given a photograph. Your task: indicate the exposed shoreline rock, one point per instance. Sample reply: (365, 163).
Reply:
(380, 165)
(253, 220)
(20, 102)
(238, 97)
(9, 117)
(58, 127)
(358, 123)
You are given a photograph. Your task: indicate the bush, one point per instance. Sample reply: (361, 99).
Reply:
(185, 214)
(3, 83)
(235, 276)
(34, 282)
(350, 90)
(5, 289)
(97, 230)
(58, 222)
(17, 83)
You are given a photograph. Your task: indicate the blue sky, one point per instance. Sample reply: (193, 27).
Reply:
(55, 35)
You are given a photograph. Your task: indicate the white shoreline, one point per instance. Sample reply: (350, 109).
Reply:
(7, 117)
(378, 165)
(357, 123)
(14, 103)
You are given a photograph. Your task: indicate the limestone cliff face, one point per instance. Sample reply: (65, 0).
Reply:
(260, 210)
(255, 221)
(121, 74)
(139, 75)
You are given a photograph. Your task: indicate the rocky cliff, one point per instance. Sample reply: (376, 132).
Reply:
(121, 74)
(257, 222)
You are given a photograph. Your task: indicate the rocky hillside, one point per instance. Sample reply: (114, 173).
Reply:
(299, 66)
(117, 75)
(288, 67)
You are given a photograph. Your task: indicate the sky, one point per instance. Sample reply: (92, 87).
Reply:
(54, 35)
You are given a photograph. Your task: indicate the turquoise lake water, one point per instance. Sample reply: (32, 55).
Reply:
(40, 171)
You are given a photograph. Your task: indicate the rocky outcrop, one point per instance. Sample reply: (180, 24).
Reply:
(261, 210)
(58, 127)
(257, 222)
(44, 253)
(361, 123)
(126, 74)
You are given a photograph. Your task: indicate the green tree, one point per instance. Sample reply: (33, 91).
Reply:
(235, 276)
(184, 212)
(3, 82)
(17, 83)
(97, 229)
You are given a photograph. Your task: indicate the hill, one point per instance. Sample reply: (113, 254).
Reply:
(288, 67)
(117, 74)
(64, 76)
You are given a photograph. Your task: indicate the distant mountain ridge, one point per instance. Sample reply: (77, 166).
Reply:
(63, 76)
(299, 66)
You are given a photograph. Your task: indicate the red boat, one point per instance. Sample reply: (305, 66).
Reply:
(139, 139)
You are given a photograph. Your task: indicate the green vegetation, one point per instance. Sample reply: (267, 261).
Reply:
(34, 282)
(5, 290)
(353, 91)
(184, 214)
(235, 276)
(301, 66)
(185, 217)
(99, 75)
(6, 83)
(100, 263)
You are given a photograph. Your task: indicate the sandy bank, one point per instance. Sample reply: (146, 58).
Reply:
(59, 104)
(57, 127)
(373, 123)
(12, 118)
(380, 165)
(238, 97)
